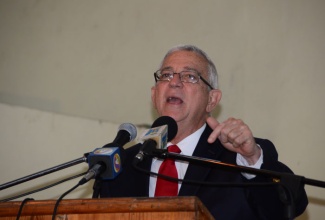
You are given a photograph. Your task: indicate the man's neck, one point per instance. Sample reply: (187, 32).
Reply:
(185, 131)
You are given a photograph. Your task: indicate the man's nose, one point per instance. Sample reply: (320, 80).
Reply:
(176, 80)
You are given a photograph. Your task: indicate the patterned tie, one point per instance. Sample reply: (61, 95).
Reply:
(165, 187)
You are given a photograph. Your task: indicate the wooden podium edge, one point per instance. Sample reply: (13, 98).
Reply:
(110, 205)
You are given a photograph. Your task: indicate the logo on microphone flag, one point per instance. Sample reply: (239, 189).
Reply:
(117, 163)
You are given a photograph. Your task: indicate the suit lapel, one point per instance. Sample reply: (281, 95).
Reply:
(200, 172)
(146, 165)
(139, 178)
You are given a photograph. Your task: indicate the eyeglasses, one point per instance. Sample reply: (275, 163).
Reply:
(187, 76)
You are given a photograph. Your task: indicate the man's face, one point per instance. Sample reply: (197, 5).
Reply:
(187, 103)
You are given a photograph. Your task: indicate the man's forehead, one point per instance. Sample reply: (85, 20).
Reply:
(187, 60)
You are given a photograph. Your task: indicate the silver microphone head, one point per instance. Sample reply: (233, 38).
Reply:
(130, 128)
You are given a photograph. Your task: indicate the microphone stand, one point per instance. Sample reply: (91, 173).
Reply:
(291, 183)
(44, 172)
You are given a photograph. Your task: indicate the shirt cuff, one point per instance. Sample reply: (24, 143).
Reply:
(241, 161)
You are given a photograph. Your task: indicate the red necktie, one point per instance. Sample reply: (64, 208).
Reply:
(166, 187)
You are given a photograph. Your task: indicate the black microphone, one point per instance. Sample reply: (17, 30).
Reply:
(106, 162)
(162, 130)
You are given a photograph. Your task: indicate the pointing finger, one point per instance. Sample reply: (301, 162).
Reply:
(216, 127)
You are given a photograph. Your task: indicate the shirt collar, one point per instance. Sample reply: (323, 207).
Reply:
(188, 144)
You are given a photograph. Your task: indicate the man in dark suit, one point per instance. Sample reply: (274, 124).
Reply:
(186, 89)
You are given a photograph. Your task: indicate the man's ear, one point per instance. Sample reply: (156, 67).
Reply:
(214, 99)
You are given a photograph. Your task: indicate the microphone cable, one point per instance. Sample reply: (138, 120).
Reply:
(81, 182)
(285, 194)
(43, 188)
(22, 206)
(61, 197)
(218, 184)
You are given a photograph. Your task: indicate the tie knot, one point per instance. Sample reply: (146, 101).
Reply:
(174, 149)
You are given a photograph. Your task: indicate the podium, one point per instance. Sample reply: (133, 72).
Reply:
(113, 208)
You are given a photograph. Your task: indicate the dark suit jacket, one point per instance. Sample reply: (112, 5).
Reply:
(223, 202)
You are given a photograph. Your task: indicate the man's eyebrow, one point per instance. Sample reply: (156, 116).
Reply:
(185, 68)
(167, 68)
(190, 68)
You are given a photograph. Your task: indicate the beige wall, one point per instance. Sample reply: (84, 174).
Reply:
(89, 65)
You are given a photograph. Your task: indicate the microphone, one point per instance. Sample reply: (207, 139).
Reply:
(106, 162)
(162, 130)
(126, 132)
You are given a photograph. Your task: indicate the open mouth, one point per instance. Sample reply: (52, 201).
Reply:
(174, 100)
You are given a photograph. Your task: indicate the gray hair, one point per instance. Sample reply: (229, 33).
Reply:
(212, 71)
